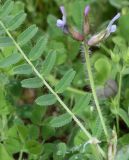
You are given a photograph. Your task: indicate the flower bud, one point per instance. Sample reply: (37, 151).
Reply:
(75, 34)
(94, 40)
(62, 23)
(86, 26)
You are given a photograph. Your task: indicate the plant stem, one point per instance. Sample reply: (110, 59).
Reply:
(50, 89)
(118, 101)
(117, 122)
(20, 155)
(119, 90)
(87, 63)
(47, 85)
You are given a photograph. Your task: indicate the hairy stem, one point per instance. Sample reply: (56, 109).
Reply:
(119, 90)
(118, 101)
(50, 89)
(87, 63)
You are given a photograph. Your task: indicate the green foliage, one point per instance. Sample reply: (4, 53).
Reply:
(37, 50)
(124, 116)
(65, 81)
(16, 21)
(10, 60)
(61, 120)
(103, 68)
(45, 100)
(32, 83)
(3, 153)
(119, 3)
(27, 35)
(61, 149)
(5, 41)
(47, 132)
(34, 147)
(81, 104)
(22, 69)
(6, 8)
(124, 28)
(48, 63)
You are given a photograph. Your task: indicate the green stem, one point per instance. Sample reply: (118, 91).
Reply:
(93, 90)
(118, 101)
(117, 122)
(119, 90)
(20, 156)
(46, 84)
(50, 89)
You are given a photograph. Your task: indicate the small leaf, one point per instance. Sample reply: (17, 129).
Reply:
(123, 27)
(27, 35)
(24, 69)
(103, 68)
(32, 83)
(126, 71)
(34, 147)
(4, 154)
(6, 8)
(39, 48)
(37, 115)
(61, 120)
(124, 140)
(62, 149)
(124, 116)
(46, 100)
(80, 138)
(65, 81)
(10, 60)
(23, 132)
(33, 131)
(82, 103)
(6, 42)
(47, 132)
(49, 63)
(13, 145)
(16, 21)
(118, 3)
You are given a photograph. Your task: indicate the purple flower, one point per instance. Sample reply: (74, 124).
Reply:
(112, 28)
(87, 9)
(95, 39)
(86, 25)
(61, 23)
(104, 34)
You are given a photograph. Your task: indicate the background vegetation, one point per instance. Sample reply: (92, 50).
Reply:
(33, 124)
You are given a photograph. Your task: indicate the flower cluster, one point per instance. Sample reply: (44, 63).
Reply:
(95, 39)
